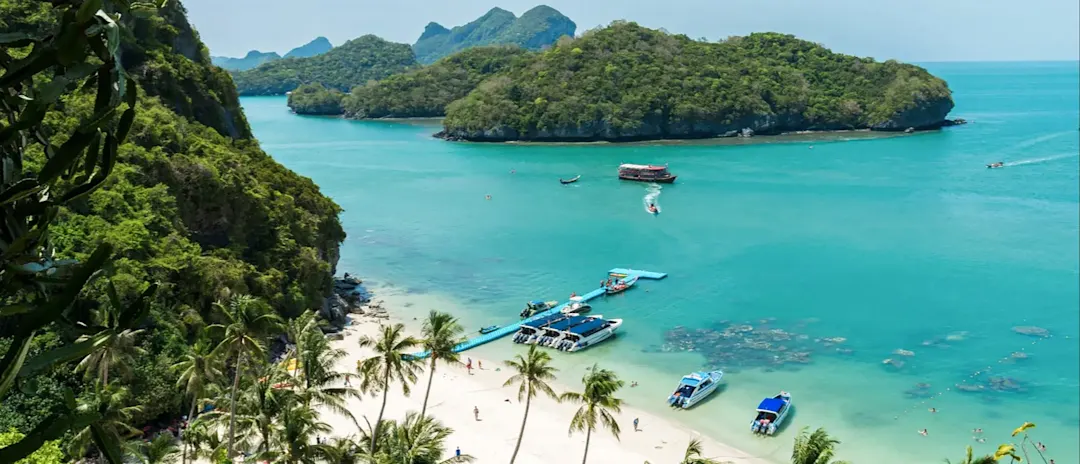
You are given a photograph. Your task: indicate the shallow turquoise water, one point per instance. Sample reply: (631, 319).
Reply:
(887, 242)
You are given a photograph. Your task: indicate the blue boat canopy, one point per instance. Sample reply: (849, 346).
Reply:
(771, 405)
(587, 326)
(536, 302)
(691, 381)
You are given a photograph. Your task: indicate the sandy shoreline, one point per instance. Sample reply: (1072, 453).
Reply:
(455, 393)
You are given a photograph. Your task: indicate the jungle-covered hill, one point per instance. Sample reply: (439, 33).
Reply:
(193, 204)
(628, 82)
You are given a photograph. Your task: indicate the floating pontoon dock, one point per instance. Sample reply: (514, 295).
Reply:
(509, 329)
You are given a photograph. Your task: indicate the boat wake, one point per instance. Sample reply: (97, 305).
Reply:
(652, 195)
(1042, 159)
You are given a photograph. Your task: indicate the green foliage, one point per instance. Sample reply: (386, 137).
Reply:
(316, 99)
(48, 454)
(598, 404)
(415, 440)
(815, 447)
(353, 63)
(626, 81)
(251, 60)
(426, 92)
(535, 29)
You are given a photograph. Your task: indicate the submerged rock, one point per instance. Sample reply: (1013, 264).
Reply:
(903, 352)
(1032, 331)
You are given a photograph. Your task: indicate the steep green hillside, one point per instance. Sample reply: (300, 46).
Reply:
(193, 204)
(353, 63)
(251, 60)
(314, 99)
(535, 29)
(316, 47)
(627, 82)
(425, 92)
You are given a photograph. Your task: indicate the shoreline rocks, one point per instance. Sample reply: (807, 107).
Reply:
(348, 297)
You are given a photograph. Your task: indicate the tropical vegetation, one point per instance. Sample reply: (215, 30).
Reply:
(815, 447)
(251, 60)
(537, 28)
(425, 92)
(317, 46)
(315, 99)
(598, 405)
(626, 81)
(343, 67)
(532, 372)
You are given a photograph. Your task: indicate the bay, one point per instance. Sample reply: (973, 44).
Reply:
(895, 243)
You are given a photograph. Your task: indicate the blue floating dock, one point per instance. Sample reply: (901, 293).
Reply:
(509, 329)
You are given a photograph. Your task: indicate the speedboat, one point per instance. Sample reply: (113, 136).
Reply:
(771, 414)
(576, 306)
(570, 181)
(589, 333)
(529, 331)
(695, 387)
(488, 329)
(999, 164)
(555, 331)
(621, 286)
(535, 307)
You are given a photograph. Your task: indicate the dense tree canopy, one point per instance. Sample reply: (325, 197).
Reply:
(535, 29)
(425, 92)
(192, 204)
(316, 99)
(251, 60)
(626, 81)
(353, 63)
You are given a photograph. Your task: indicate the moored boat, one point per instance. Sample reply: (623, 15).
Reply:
(620, 286)
(571, 180)
(536, 306)
(646, 173)
(576, 306)
(587, 334)
(530, 331)
(771, 414)
(555, 331)
(488, 329)
(695, 387)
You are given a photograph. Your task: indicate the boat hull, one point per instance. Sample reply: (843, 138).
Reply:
(699, 395)
(771, 428)
(596, 338)
(658, 180)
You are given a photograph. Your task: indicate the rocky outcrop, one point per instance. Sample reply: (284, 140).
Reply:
(929, 115)
(349, 297)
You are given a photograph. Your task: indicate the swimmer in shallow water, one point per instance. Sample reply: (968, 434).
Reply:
(923, 432)
(487, 197)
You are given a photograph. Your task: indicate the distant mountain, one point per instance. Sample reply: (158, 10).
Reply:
(535, 29)
(251, 60)
(316, 47)
(353, 63)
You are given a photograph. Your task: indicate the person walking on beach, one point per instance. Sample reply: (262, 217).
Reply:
(479, 364)
(635, 425)
(457, 452)
(468, 366)
(476, 413)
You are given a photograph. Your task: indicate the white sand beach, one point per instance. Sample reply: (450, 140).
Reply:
(491, 439)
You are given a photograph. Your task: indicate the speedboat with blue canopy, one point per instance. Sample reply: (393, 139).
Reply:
(587, 334)
(695, 387)
(771, 414)
(528, 331)
(556, 330)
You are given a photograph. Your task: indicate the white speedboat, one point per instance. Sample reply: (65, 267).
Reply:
(587, 334)
(555, 332)
(695, 387)
(771, 414)
(531, 330)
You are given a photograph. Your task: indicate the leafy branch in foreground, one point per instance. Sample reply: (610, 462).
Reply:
(40, 172)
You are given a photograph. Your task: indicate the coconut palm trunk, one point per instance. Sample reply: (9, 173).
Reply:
(190, 418)
(521, 434)
(427, 393)
(232, 403)
(588, 438)
(382, 409)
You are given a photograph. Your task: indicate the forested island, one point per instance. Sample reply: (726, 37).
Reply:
(251, 60)
(627, 82)
(343, 67)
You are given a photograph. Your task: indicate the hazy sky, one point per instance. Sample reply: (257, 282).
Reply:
(910, 30)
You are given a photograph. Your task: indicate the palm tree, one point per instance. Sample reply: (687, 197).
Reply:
(973, 460)
(160, 450)
(441, 334)
(416, 440)
(320, 383)
(295, 436)
(198, 370)
(390, 363)
(115, 355)
(533, 371)
(247, 321)
(597, 405)
(694, 452)
(111, 402)
(814, 448)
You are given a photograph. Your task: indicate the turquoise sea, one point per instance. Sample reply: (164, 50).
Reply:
(904, 242)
